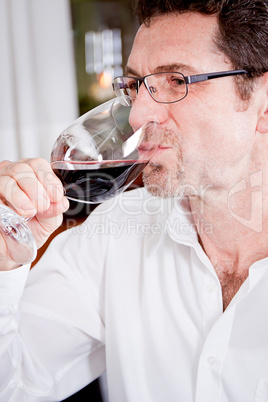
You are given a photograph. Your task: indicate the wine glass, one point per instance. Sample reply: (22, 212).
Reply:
(99, 155)
(96, 158)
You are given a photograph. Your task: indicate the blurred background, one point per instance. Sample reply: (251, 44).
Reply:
(58, 60)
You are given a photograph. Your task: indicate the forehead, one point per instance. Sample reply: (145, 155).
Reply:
(185, 39)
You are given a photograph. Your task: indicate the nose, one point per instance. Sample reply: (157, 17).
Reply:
(145, 109)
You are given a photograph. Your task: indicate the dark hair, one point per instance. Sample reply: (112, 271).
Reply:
(243, 29)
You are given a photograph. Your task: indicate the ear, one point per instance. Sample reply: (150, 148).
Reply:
(262, 125)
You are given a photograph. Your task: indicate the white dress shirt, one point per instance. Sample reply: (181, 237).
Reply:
(132, 292)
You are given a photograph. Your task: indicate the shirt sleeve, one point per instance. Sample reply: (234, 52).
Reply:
(52, 320)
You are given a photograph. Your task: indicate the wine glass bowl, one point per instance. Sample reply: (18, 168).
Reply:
(100, 155)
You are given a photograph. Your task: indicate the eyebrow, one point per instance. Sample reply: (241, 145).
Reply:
(176, 67)
(129, 71)
(180, 67)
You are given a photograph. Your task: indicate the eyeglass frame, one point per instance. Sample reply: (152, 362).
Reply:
(188, 79)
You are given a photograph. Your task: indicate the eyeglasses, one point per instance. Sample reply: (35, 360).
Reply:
(165, 87)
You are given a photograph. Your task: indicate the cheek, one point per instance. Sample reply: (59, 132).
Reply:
(221, 138)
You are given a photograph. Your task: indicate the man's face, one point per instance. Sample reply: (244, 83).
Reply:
(208, 138)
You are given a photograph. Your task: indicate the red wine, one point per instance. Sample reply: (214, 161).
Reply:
(95, 182)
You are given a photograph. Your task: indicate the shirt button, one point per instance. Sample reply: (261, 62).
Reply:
(211, 360)
(211, 288)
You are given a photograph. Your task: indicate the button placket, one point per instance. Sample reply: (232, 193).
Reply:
(212, 302)
(208, 387)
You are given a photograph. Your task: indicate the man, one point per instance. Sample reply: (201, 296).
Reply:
(175, 306)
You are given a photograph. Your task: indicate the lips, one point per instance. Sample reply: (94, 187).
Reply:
(150, 151)
(149, 146)
(165, 147)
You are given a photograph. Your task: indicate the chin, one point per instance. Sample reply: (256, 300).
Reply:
(162, 183)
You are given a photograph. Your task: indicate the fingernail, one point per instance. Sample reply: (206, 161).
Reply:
(55, 192)
(28, 207)
(43, 202)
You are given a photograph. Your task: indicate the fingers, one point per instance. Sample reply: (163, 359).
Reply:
(47, 178)
(30, 186)
(12, 195)
(50, 219)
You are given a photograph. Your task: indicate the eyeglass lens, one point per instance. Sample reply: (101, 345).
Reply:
(163, 87)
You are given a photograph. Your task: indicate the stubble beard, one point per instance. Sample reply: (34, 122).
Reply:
(165, 179)
(161, 182)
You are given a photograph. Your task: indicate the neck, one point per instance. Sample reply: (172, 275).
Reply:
(238, 230)
(238, 235)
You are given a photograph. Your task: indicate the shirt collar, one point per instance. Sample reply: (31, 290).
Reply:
(180, 224)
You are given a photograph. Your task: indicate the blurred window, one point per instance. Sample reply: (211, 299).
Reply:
(103, 36)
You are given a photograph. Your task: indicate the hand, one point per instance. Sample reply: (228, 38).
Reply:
(32, 189)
